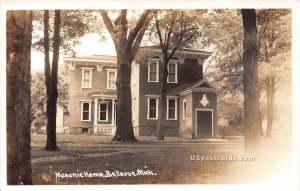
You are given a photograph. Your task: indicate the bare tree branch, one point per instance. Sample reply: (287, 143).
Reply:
(167, 43)
(159, 35)
(107, 22)
(140, 35)
(133, 33)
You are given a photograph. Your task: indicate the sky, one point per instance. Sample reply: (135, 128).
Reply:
(89, 45)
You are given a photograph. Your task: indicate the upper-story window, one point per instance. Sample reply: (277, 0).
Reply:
(172, 70)
(153, 70)
(86, 77)
(111, 78)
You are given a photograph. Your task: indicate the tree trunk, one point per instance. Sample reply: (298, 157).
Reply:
(52, 87)
(162, 102)
(270, 106)
(126, 46)
(18, 55)
(251, 93)
(124, 132)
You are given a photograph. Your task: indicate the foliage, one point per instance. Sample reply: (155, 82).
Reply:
(38, 96)
(178, 28)
(74, 25)
(277, 49)
(225, 66)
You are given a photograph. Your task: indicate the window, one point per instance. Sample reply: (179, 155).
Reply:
(153, 71)
(111, 78)
(171, 109)
(172, 72)
(86, 77)
(184, 110)
(103, 112)
(85, 111)
(152, 108)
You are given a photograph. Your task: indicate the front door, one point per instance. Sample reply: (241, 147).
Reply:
(204, 123)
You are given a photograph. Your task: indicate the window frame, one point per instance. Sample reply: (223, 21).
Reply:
(106, 111)
(148, 108)
(184, 109)
(168, 117)
(176, 72)
(81, 110)
(157, 70)
(107, 82)
(90, 70)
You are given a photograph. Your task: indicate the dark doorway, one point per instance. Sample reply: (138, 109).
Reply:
(85, 130)
(204, 123)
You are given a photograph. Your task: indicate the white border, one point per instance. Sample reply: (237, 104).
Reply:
(192, 4)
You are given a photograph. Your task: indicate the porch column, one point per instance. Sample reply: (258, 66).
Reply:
(113, 112)
(95, 110)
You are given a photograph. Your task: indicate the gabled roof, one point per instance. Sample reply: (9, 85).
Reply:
(203, 84)
(199, 86)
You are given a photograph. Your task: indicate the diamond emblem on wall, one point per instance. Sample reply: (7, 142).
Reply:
(204, 101)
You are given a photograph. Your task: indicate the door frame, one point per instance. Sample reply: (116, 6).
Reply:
(212, 121)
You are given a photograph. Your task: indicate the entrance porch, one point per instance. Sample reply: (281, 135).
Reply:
(105, 113)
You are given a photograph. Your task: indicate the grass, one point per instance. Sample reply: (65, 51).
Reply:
(169, 160)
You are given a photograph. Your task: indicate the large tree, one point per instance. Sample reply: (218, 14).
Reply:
(225, 65)
(127, 41)
(18, 58)
(174, 30)
(275, 46)
(68, 27)
(51, 77)
(251, 91)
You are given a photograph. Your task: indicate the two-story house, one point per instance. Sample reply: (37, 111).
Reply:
(191, 100)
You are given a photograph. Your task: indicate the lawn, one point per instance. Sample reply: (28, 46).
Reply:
(151, 161)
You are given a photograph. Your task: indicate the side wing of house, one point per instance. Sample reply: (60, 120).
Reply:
(184, 69)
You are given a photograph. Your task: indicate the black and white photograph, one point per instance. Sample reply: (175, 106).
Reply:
(150, 94)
